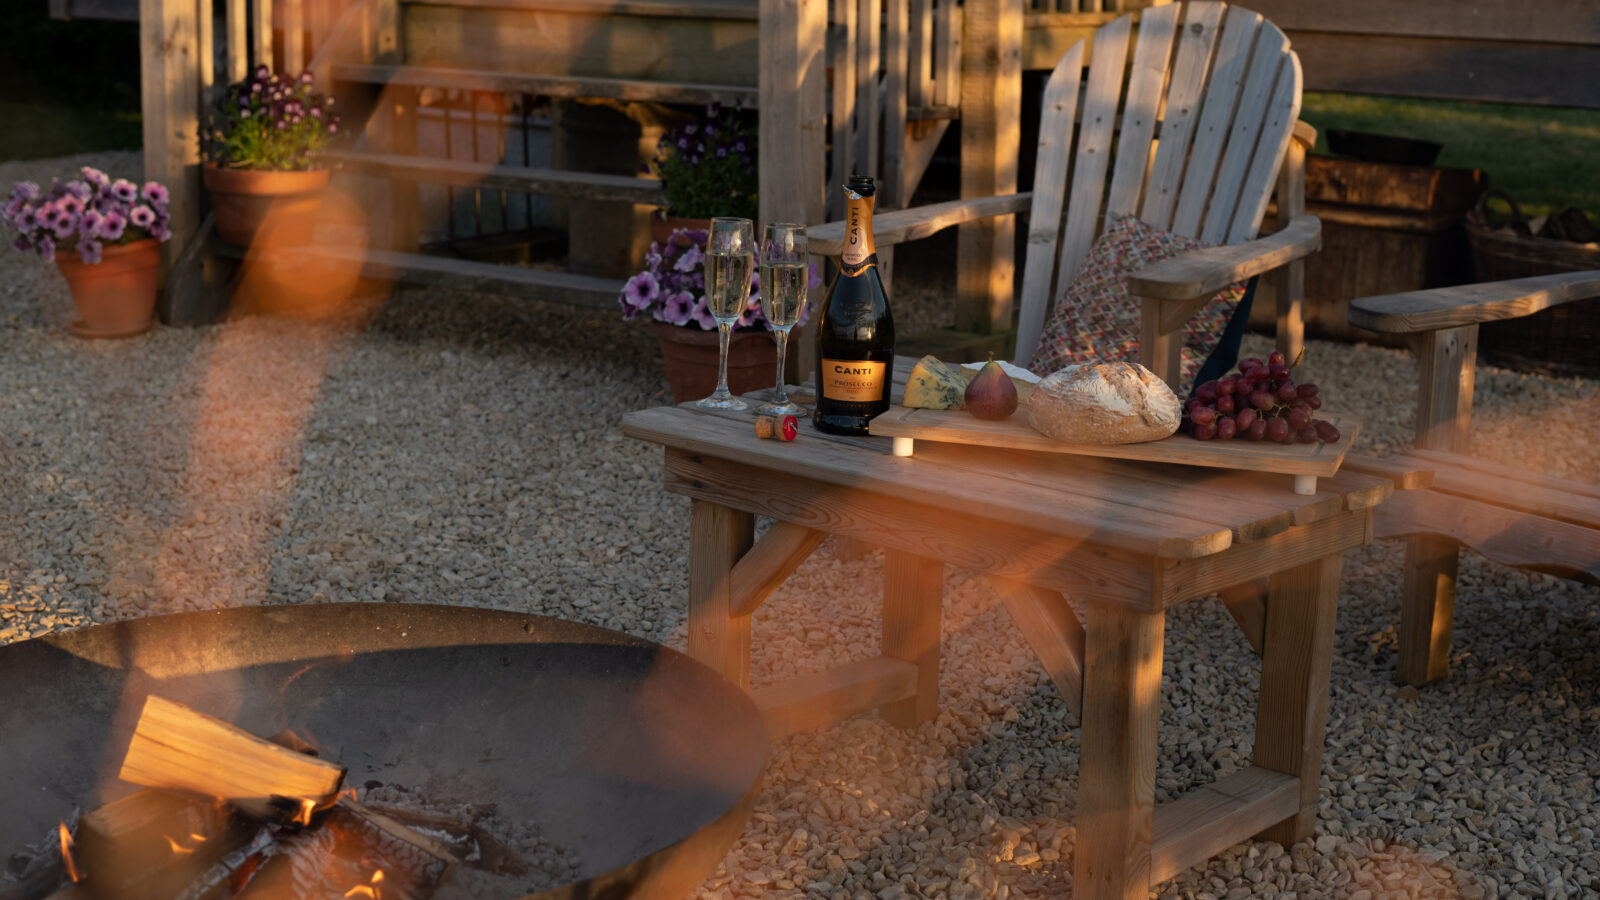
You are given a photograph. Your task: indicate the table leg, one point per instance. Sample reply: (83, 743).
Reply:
(718, 536)
(1116, 780)
(1296, 657)
(913, 606)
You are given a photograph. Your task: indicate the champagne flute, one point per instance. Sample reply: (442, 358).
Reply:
(784, 273)
(730, 261)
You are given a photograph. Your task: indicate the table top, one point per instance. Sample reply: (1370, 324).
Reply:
(1159, 509)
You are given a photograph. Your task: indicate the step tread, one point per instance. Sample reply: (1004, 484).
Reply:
(465, 274)
(745, 10)
(463, 173)
(548, 85)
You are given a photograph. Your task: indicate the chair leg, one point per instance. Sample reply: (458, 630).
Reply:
(1427, 605)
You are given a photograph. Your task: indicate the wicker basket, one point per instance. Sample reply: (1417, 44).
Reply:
(1560, 341)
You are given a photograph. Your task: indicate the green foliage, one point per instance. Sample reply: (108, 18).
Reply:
(708, 167)
(1542, 156)
(270, 123)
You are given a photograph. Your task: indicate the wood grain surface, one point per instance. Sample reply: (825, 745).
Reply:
(961, 427)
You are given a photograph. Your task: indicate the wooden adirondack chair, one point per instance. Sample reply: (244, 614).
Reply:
(1516, 518)
(1199, 111)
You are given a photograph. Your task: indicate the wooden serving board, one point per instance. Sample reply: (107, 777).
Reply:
(961, 427)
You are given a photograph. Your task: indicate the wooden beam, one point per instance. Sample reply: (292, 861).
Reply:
(913, 598)
(494, 176)
(1471, 304)
(1247, 603)
(1211, 818)
(1508, 537)
(1052, 629)
(719, 536)
(1116, 783)
(170, 105)
(1451, 69)
(792, 122)
(772, 560)
(1551, 21)
(991, 134)
(1297, 657)
(811, 701)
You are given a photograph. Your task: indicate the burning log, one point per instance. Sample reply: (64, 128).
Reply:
(152, 844)
(352, 852)
(176, 748)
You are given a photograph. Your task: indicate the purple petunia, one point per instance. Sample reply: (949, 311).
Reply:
(71, 203)
(161, 231)
(89, 223)
(25, 190)
(678, 309)
(94, 176)
(156, 193)
(65, 225)
(21, 243)
(703, 317)
(722, 152)
(124, 190)
(89, 252)
(46, 247)
(112, 226)
(690, 260)
(641, 290)
(27, 219)
(142, 216)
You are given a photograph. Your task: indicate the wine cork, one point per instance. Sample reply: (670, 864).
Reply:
(784, 428)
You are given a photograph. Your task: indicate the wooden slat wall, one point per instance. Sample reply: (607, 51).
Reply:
(1544, 52)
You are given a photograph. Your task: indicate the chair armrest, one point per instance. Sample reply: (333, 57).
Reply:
(1305, 133)
(1471, 304)
(1201, 273)
(902, 225)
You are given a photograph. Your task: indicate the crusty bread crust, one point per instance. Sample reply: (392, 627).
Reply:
(1104, 403)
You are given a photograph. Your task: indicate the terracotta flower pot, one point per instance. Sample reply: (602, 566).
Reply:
(690, 357)
(662, 226)
(277, 208)
(116, 297)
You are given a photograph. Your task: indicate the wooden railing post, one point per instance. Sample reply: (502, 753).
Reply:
(792, 121)
(170, 99)
(991, 135)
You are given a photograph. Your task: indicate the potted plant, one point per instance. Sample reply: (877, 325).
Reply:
(671, 293)
(707, 168)
(260, 158)
(105, 236)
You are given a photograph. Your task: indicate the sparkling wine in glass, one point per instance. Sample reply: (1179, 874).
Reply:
(784, 273)
(730, 261)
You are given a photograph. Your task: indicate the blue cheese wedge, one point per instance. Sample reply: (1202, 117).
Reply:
(935, 385)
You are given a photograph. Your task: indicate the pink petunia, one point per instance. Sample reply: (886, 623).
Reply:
(678, 309)
(89, 252)
(156, 193)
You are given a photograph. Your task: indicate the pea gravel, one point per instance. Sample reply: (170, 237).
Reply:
(459, 448)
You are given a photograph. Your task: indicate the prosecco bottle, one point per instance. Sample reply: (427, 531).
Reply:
(855, 330)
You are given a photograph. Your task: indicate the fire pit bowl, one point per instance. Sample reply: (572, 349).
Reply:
(639, 759)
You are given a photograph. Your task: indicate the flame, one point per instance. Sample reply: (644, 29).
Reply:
(177, 848)
(370, 891)
(66, 854)
(307, 807)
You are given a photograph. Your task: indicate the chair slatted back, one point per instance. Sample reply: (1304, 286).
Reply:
(1184, 125)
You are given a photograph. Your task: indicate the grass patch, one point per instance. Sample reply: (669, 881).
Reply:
(40, 132)
(1542, 156)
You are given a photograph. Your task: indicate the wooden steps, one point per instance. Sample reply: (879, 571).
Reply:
(558, 86)
(462, 173)
(418, 269)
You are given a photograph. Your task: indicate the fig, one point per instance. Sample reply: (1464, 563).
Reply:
(991, 395)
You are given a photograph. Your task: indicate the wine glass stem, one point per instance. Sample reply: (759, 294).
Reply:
(724, 335)
(782, 397)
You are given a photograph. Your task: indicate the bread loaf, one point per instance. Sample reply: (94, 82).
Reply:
(1104, 403)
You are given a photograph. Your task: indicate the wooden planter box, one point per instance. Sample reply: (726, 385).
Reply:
(1386, 228)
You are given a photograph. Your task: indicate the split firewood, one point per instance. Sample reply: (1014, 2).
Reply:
(152, 844)
(179, 749)
(352, 852)
(493, 854)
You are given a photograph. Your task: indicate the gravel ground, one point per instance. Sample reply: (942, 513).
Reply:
(460, 448)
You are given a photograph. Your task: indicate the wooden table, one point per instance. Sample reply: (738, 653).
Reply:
(1127, 539)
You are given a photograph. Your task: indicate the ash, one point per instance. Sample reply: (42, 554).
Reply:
(499, 858)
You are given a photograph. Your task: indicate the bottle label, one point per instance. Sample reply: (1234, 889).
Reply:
(857, 231)
(855, 380)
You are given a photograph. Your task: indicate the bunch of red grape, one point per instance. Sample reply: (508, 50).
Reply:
(1259, 402)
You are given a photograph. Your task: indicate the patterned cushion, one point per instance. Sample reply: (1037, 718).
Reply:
(1097, 319)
